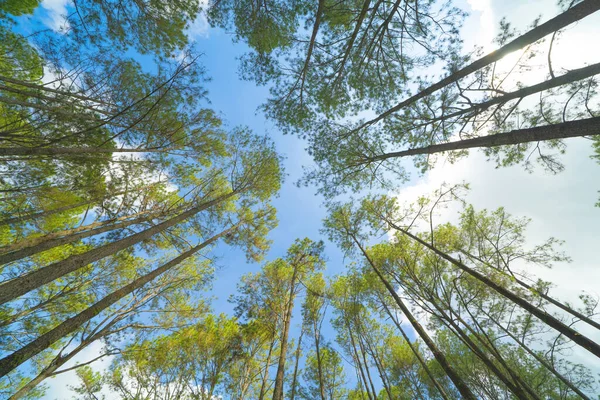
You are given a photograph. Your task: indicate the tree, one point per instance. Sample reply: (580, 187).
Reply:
(324, 375)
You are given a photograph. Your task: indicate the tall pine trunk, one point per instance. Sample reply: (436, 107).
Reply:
(571, 76)
(544, 296)
(570, 129)
(278, 389)
(43, 342)
(29, 247)
(541, 360)
(57, 151)
(295, 375)
(422, 362)
(33, 280)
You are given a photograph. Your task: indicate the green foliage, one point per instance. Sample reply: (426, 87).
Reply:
(18, 7)
(324, 370)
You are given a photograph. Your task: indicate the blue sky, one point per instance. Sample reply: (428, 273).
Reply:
(560, 206)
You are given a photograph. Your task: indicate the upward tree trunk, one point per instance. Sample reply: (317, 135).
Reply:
(571, 76)
(574, 14)
(550, 320)
(44, 214)
(59, 361)
(358, 366)
(33, 280)
(295, 376)
(583, 127)
(544, 296)
(512, 386)
(417, 355)
(42, 343)
(319, 363)
(541, 360)
(439, 356)
(367, 371)
(29, 247)
(263, 385)
(278, 389)
(57, 151)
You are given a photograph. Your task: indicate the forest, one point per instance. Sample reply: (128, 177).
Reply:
(211, 199)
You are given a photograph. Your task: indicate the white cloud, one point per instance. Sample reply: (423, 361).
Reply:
(58, 387)
(486, 23)
(199, 27)
(57, 12)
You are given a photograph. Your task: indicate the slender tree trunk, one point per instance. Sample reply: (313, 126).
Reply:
(57, 151)
(29, 247)
(487, 343)
(372, 350)
(514, 389)
(295, 376)
(364, 358)
(319, 363)
(541, 360)
(43, 342)
(574, 14)
(439, 356)
(550, 320)
(65, 291)
(44, 214)
(263, 386)
(544, 296)
(278, 389)
(422, 362)
(33, 280)
(571, 76)
(58, 362)
(358, 362)
(570, 129)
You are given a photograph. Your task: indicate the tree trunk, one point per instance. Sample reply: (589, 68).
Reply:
(56, 151)
(579, 11)
(319, 364)
(439, 356)
(544, 296)
(43, 342)
(511, 386)
(29, 247)
(372, 350)
(542, 361)
(295, 376)
(58, 362)
(44, 214)
(359, 364)
(570, 129)
(278, 389)
(550, 320)
(263, 386)
(33, 280)
(417, 355)
(571, 76)
(364, 358)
